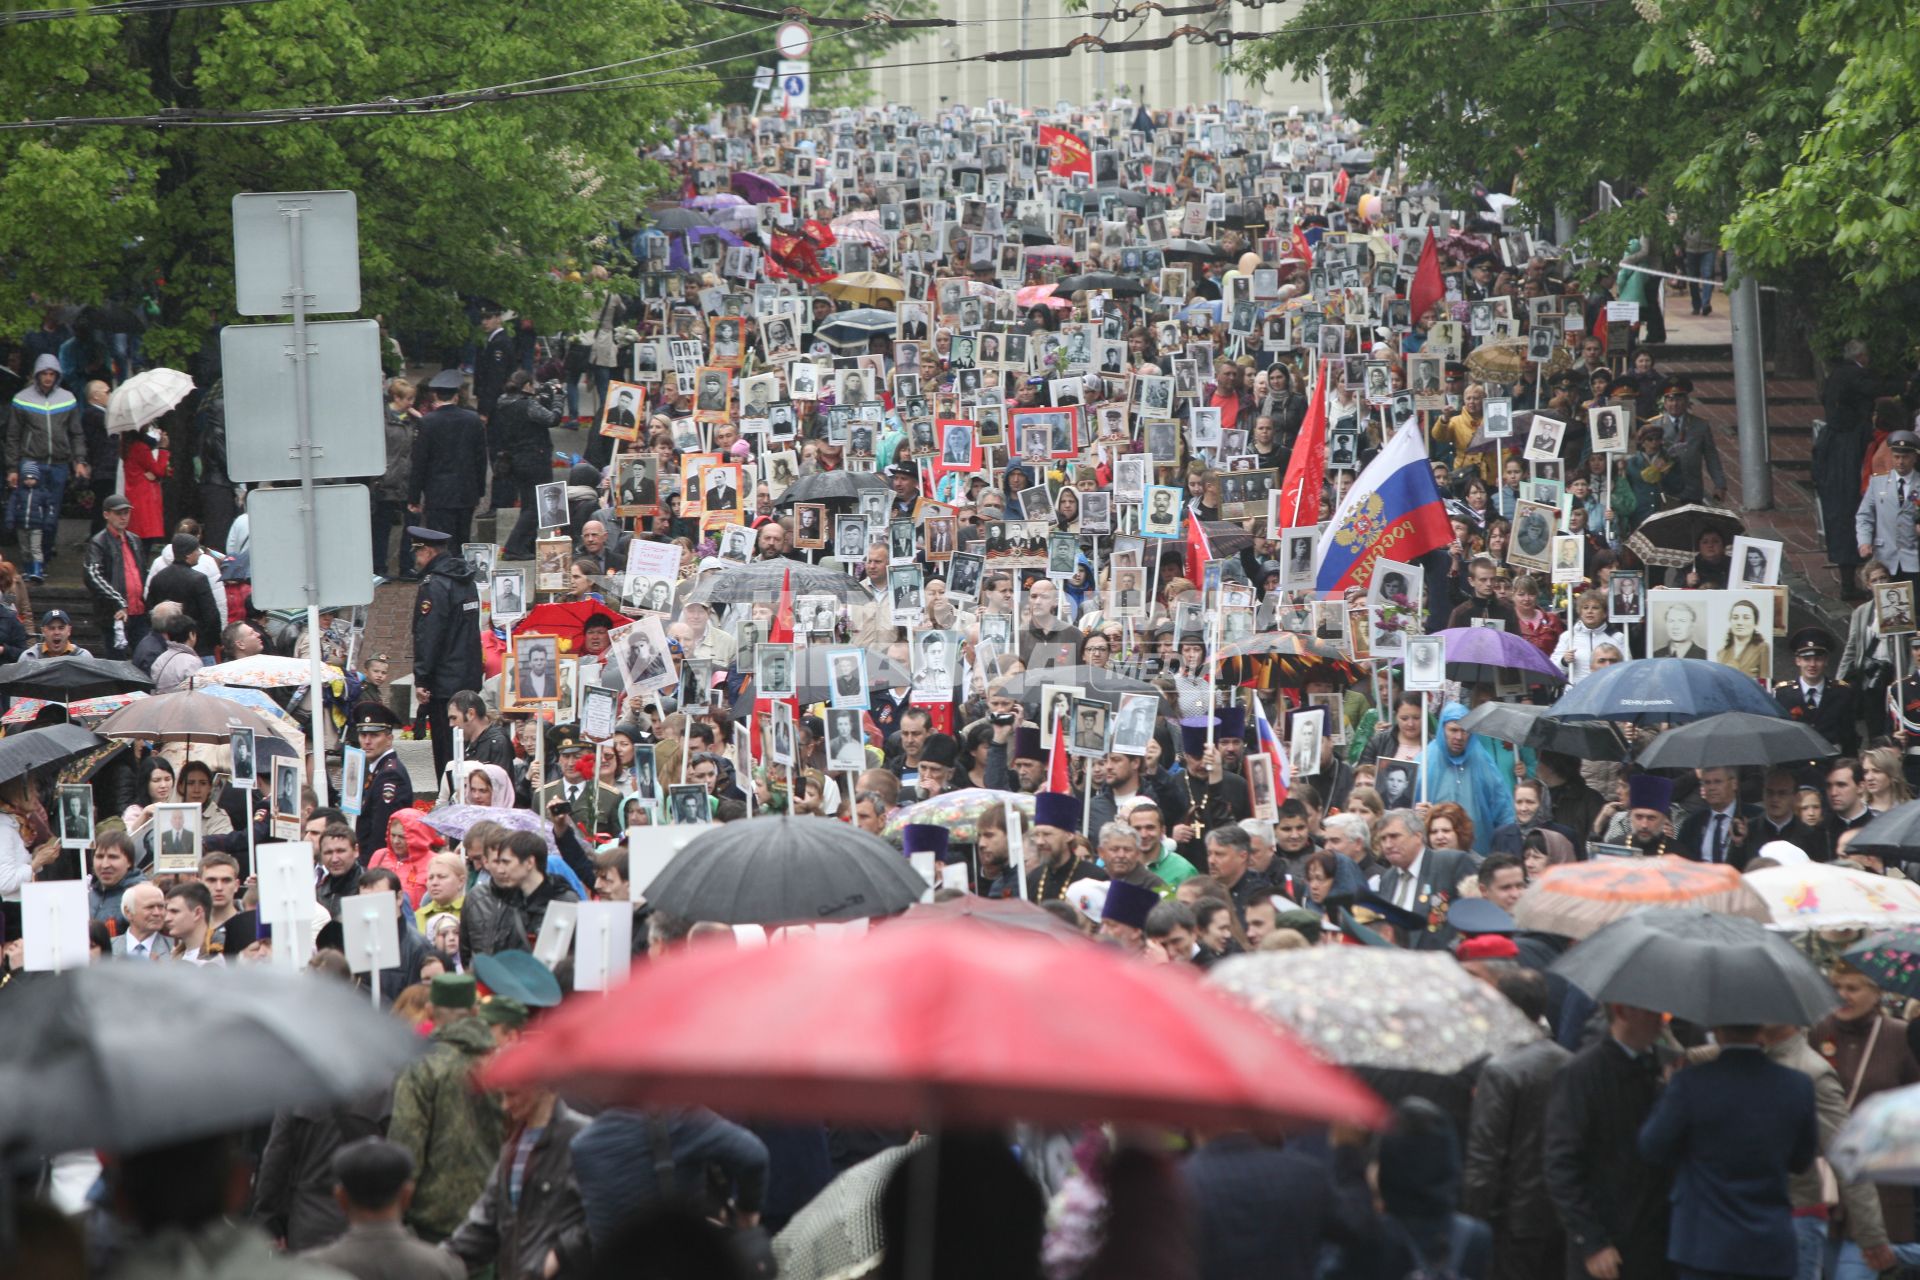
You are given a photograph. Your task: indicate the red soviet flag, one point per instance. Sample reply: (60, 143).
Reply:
(1070, 154)
(1427, 289)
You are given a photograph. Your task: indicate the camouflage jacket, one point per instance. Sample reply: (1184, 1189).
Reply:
(453, 1132)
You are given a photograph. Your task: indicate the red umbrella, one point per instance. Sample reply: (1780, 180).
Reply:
(951, 1025)
(568, 620)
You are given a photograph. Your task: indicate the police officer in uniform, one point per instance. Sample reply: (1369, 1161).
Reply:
(446, 635)
(1832, 707)
(388, 789)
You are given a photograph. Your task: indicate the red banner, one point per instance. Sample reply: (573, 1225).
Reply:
(1070, 154)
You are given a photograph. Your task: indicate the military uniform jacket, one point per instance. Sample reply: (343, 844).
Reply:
(1837, 718)
(1885, 520)
(597, 807)
(446, 629)
(388, 791)
(453, 1132)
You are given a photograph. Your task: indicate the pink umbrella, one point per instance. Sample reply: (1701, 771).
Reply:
(1041, 295)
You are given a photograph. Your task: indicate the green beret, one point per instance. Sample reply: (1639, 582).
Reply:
(454, 991)
(518, 976)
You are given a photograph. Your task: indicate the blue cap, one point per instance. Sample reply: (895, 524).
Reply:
(1477, 916)
(1128, 903)
(1193, 735)
(1650, 791)
(420, 533)
(1399, 917)
(1057, 809)
(446, 380)
(1233, 721)
(923, 837)
(1026, 743)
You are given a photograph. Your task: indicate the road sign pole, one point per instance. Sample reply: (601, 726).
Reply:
(303, 449)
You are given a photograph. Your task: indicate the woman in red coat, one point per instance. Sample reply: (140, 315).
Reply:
(145, 455)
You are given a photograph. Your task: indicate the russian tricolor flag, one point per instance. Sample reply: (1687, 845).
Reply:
(1268, 745)
(1393, 510)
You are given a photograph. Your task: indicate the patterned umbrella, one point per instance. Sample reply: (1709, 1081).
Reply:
(1891, 959)
(252, 699)
(1042, 295)
(1378, 1007)
(1881, 1143)
(1668, 538)
(1506, 361)
(1581, 898)
(1295, 659)
(958, 811)
(454, 820)
(24, 710)
(1829, 896)
(265, 671)
(857, 228)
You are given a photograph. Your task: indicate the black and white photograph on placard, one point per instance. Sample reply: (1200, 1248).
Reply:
(1497, 422)
(1609, 425)
(1088, 734)
(847, 679)
(1543, 439)
(175, 838)
(76, 815)
(846, 744)
(1756, 562)
(963, 575)
(1306, 731)
(550, 501)
(850, 538)
(1397, 781)
(241, 750)
(1296, 557)
(1133, 725)
(1426, 663)
(906, 589)
(773, 674)
(934, 656)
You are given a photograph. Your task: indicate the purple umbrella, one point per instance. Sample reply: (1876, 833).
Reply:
(756, 187)
(454, 821)
(1476, 655)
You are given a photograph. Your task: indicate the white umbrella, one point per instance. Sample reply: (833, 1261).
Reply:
(145, 397)
(1827, 896)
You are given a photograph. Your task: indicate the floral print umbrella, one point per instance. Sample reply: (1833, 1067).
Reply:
(1881, 1143)
(1581, 898)
(1378, 1007)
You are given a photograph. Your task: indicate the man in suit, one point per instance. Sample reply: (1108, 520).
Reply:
(1722, 830)
(1832, 707)
(722, 494)
(1418, 879)
(1611, 1202)
(179, 840)
(1884, 525)
(593, 806)
(373, 1185)
(145, 936)
(1502, 1179)
(1680, 619)
(846, 676)
(1779, 820)
(537, 676)
(1732, 1214)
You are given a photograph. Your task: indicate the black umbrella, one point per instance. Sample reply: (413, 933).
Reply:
(785, 870)
(20, 752)
(763, 580)
(1712, 969)
(1897, 831)
(830, 486)
(1527, 725)
(1118, 285)
(131, 1057)
(1125, 195)
(1736, 738)
(1178, 250)
(71, 679)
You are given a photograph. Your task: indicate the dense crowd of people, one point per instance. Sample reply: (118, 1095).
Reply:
(1101, 503)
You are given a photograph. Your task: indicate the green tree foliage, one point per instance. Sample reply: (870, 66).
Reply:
(1788, 128)
(832, 49)
(490, 201)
